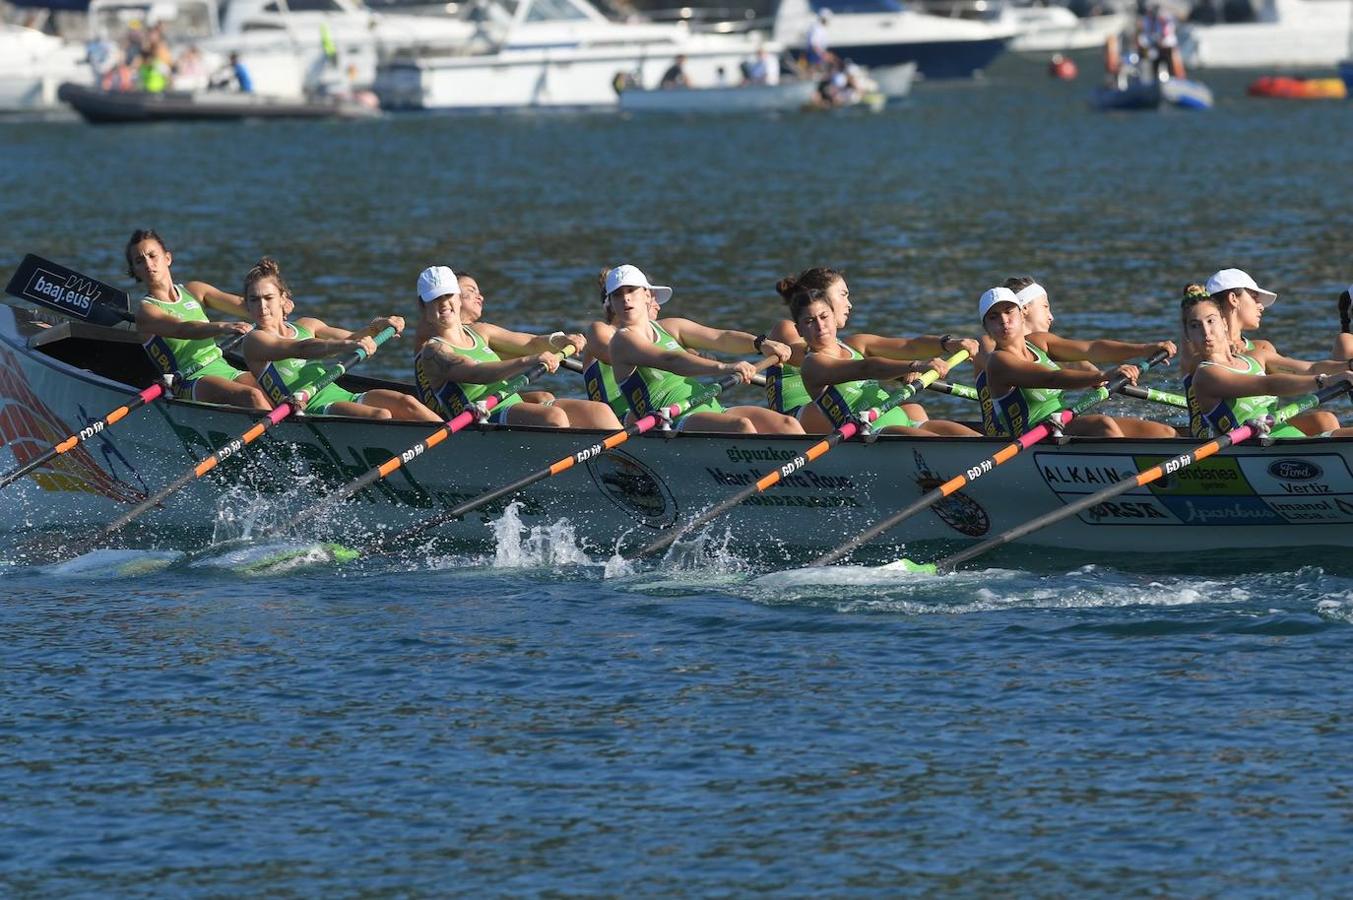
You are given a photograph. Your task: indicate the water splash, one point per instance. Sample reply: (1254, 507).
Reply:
(519, 547)
(99, 564)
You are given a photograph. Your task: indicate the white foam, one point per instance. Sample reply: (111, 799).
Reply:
(519, 547)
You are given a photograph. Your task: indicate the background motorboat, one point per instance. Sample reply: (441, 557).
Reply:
(562, 54)
(1293, 34)
(879, 34)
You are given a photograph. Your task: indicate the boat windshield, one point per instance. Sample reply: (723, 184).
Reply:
(858, 6)
(554, 11)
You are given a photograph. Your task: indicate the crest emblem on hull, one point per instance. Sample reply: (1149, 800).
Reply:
(634, 487)
(959, 511)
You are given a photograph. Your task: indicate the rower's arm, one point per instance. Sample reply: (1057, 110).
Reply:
(702, 337)
(518, 343)
(1101, 351)
(1217, 381)
(150, 319)
(821, 370)
(445, 364)
(1006, 370)
(630, 350)
(262, 347)
(1278, 364)
(785, 332)
(926, 346)
(217, 299)
(598, 345)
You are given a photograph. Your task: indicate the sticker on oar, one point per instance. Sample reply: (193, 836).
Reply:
(69, 293)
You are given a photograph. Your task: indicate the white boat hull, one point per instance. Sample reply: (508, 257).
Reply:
(1294, 494)
(575, 77)
(784, 97)
(33, 66)
(1293, 34)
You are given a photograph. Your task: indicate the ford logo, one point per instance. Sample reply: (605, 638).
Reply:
(1294, 470)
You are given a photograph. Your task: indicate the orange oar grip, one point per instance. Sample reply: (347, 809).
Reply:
(561, 466)
(388, 466)
(67, 444)
(117, 414)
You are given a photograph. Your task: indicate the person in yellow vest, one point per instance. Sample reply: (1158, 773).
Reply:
(178, 335)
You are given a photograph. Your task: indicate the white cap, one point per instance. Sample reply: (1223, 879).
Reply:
(434, 281)
(994, 296)
(1234, 280)
(630, 276)
(1029, 293)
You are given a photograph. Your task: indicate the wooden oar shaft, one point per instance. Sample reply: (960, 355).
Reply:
(447, 428)
(1026, 440)
(1141, 479)
(274, 416)
(775, 476)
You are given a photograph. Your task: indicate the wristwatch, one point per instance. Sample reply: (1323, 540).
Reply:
(758, 341)
(944, 343)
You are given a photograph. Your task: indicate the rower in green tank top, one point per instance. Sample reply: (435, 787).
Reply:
(1231, 389)
(655, 368)
(785, 390)
(288, 357)
(459, 365)
(1243, 304)
(844, 382)
(1024, 381)
(179, 336)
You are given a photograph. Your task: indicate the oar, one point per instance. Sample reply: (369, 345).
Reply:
(1008, 452)
(1155, 396)
(967, 392)
(69, 293)
(610, 442)
(280, 412)
(1168, 467)
(844, 432)
(447, 428)
(150, 394)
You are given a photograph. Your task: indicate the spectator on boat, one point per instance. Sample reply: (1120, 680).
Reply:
(765, 69)
(157, 62)
(1228, 389)
(816, 52)
(458, 365)
(179, 336)
(655, 368)
(785, 390)
(1023, 383)
(843, 381)
(675, 76)
(190, 74)
(285, 356)
(233, 76)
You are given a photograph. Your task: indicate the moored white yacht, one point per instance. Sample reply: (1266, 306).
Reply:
(1305, 34)
(561, 54)
(33, 65)
(880, 34)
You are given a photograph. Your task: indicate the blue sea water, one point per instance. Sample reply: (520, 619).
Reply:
(547, 720)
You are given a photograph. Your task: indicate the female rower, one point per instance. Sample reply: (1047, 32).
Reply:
(1243, 303)
(286, 353)
(1343, 341)
(1231, 388)
(179, 335)
(598, 376)
(785, 391)
(1024, 384)
(654, 368)
(844, 381)
(459, 364)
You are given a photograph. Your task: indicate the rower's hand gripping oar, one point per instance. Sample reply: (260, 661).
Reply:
(610, 442)
(478, 412)
(149, 395)
(280, 412)
(1155, 473)
(845, 432)
(1043, 430)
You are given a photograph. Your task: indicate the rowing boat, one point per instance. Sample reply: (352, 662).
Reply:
(56, 379)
